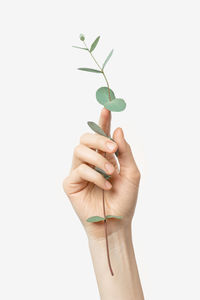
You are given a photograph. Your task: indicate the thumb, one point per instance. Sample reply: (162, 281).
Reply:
(128, 167)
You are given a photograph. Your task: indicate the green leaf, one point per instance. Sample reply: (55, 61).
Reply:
(82, 37)
(94, 44)
(114, 217)
(107, 59)
(115, 105)
(100, 131)
(106, 176)
(117, 153)
(95, 219)
(80, 47)
(89, 70)
(96, 128)
(102, 95)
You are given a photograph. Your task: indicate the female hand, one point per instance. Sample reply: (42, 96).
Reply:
(84, 185)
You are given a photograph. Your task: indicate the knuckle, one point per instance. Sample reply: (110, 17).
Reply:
(96, 158)
(137, 174)
(97, 138)
(65, 184)
(83, 137)
(98, 141)
(128, 146)
(98, 178)
(81, 168)
(77, 150)
(101, 161)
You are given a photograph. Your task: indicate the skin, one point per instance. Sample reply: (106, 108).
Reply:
(83, 187)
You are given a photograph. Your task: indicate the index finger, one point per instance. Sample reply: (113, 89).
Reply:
(105, 120)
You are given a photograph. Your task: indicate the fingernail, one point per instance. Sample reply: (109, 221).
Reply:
(110, 146)
(109, 168)
(108, 185)
(121, 133)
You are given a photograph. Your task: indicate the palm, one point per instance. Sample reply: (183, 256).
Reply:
(87, 201)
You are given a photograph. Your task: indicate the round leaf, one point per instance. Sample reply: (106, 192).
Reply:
(102, 95)
(115, 105)
(114, 217)
(95, 219)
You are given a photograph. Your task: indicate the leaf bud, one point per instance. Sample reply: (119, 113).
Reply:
(82, 37)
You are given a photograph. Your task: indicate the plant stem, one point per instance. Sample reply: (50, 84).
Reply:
(106, 233)
(104, 209)
(107, 84)
(101, 69)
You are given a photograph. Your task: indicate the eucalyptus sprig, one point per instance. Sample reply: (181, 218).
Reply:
(106, 97)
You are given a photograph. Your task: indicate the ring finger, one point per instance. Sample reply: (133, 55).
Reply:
(86, 155)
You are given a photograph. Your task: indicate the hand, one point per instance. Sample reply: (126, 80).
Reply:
(84, 185)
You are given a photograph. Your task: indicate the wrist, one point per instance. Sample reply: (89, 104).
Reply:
(116, 229)
(125, 284)
(117, 239)
(120, 250)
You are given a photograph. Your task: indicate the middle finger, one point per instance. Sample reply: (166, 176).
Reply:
(87, 155)
(99, 142)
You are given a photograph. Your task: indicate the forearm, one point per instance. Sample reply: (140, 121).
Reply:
(125, 284)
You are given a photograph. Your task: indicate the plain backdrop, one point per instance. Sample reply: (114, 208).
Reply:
(45, 106)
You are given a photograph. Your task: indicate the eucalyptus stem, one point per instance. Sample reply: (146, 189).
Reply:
(106, 233)
(103, 199)
(107, 85)
(101, 69)
(106, 97)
